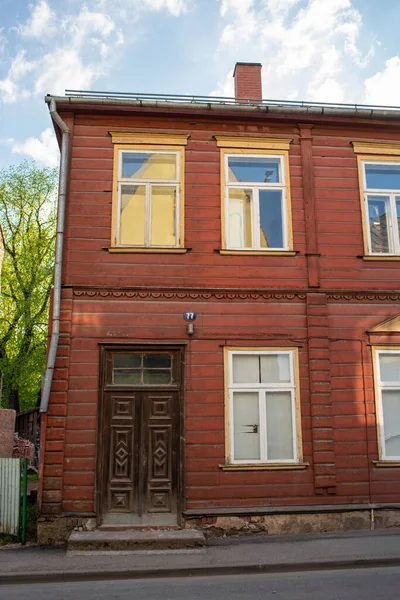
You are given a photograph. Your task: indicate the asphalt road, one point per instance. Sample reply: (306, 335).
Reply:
(358, 584)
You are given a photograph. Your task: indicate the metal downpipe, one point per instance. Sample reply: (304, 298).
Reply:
(55, 319)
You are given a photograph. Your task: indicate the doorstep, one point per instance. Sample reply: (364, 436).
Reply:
(133, 539)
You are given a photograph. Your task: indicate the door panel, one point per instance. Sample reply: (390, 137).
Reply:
(139, 445)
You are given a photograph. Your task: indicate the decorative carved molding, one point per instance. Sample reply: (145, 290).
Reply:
(197, 294)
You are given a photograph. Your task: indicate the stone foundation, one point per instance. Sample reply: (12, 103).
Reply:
(53, 530)
(275, 524)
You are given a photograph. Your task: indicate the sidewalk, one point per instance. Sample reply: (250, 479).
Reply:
(230, 555)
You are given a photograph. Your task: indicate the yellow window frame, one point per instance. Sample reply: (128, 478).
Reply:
(279, 147)
(373, 152)
(148, 142)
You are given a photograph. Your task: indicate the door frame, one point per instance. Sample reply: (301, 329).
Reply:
(104, 348)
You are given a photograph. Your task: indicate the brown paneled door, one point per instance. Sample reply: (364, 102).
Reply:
(139, 437)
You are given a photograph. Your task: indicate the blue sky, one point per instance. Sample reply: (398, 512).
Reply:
(322, 50)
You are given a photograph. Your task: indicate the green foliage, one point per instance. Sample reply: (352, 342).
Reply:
(28, 227)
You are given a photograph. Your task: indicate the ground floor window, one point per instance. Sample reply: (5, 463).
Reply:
(263, 406)
(387, 388)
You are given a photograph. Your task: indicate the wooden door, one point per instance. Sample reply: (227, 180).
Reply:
(139, 437)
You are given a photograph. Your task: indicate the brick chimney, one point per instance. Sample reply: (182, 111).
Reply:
(247, 78)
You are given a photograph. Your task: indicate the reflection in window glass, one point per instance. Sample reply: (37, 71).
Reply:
(379, 214)
(391, 422)
(389, 367)
(133, 199)
(271, 223)
(240, 203)
(163, 214)
(127, 377)
(246, 368)
(254, 169)
(382, 177)
(148, 165)
(156, 377)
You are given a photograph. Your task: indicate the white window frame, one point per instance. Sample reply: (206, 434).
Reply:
(380, 386)
(148, 183)
(393, 234)
(255, 187)
(261, 388)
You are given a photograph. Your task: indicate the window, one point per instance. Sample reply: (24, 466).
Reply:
(263, 406)
(148, 190)
(382, 205)
(387, 380)
(379, 179)
(256, 198)
(134, 368)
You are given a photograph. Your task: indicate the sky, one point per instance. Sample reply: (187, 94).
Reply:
(316, 50)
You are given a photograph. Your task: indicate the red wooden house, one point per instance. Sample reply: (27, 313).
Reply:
(277, 226)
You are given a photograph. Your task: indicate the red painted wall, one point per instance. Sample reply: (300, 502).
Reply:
(277, 306)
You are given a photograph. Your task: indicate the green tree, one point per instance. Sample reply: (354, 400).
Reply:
(27, 231)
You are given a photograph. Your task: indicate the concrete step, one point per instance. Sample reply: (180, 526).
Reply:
(131, 539)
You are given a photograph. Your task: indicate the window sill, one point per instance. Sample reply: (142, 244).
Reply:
(258, 252)
(265, 467)
(129, 250)
(386, 463)
(395, 257)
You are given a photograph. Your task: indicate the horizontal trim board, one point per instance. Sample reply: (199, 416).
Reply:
(125, 137)
(376, 148)
(258, 252)
(265, 467)
(385, 258)
(386, 463)
(122, 250)
(224, 141)
(277, 510)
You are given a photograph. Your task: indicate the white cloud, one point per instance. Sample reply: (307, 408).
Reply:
(64, 69)
(10, 88)
(384, 86)
(44, 149)
(308, 47)
(175, 7)
(41, 22)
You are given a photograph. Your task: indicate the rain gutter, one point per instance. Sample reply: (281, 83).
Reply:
(56, 304)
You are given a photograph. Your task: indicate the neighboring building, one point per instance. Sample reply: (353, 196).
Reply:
(278, 224)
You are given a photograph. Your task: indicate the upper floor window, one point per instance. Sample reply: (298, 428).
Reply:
(379, 179)
(387, 380)
(256, 194)
(148, 191)
(382, 199)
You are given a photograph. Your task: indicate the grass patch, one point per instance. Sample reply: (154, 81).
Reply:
(8, 539)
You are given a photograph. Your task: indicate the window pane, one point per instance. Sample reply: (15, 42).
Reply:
(391, 421)
(382, 177)
(246, 368)
(378, 215)
(279, 426)
(133, 200)
(398, 214)
(255, 169)
(240, 202)
(127, 377)
(390, 367)
(246, 426)
(163, 207)
(148, 165)
(275, 368)
(271, 223)
(131, 361)
(156, 377)
(157, 361)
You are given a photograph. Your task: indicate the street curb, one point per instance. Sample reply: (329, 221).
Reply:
(93, 575)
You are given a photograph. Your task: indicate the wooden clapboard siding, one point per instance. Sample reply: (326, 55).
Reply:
(121, 298)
